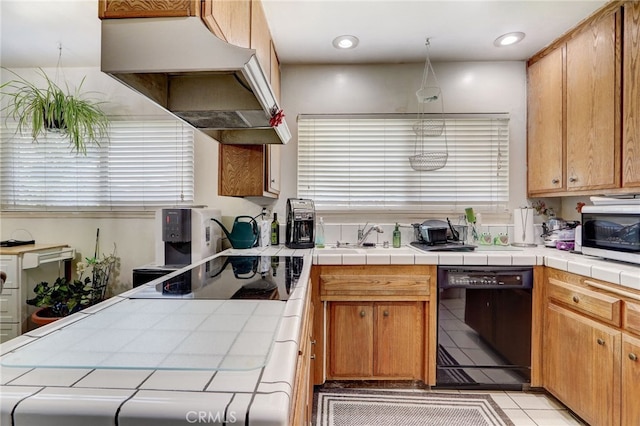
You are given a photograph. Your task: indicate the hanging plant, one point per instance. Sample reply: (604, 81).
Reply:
(51, 109)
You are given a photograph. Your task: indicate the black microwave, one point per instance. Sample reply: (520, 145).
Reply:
(612, 232)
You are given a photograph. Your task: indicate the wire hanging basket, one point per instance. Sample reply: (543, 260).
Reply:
(427, 126)
(428, 161)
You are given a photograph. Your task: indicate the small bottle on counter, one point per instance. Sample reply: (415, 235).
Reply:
(320, 233)
(397, 237)
(275, 230)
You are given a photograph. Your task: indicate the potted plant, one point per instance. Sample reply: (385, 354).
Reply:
(60, 299)
(65, 297)
(42, 110)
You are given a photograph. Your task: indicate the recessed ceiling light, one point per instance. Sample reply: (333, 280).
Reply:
(508, 39)
(345, 42)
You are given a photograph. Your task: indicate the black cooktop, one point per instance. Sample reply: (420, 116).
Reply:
(231, 277)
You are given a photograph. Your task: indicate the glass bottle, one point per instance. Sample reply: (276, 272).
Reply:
(275, 230)
(397, 237)
(320, 233)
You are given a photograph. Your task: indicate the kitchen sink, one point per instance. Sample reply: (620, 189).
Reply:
(343, 250)
(365, 250)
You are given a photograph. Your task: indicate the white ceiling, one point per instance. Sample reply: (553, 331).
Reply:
(390, 31)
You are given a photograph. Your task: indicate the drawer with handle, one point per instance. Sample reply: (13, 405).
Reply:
(632, 317)
(374, 287)
(598, 305)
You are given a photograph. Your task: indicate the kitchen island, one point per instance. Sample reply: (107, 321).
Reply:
(124, 361)
(262, 396)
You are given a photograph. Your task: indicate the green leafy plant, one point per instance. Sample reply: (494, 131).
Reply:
(100, 270)
(52, 109)
(63, 297)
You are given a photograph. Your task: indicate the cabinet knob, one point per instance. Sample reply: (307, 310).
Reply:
(573, 179)
(313, 342)
(555, 181)
(313, 356)
(362, 314)
(385, 313)
(600, 342)
(633, 357)
(576, 299)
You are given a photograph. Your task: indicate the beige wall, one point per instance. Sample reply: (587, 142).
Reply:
(467, 87)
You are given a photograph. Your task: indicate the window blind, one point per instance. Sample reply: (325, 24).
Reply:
(360, 162)
(142, 164)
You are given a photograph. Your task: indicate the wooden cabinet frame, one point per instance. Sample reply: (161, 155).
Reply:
(617, 171)
(591, 358)
(108, 9)
(371, 286)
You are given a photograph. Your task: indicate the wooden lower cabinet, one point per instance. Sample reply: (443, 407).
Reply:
(581, 365)
(302, 405)
(376, 340)
(630, 408)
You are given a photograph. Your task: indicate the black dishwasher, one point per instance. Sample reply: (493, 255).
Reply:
(484, 327)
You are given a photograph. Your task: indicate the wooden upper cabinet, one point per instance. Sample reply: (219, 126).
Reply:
(593, 106)
(229, 20)
(249, 171)
(275, 72)
(545, 139)
(147, 8)
(261, 36)
(631, 97)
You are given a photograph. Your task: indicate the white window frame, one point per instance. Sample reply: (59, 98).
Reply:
(142, 165)
(359, 163)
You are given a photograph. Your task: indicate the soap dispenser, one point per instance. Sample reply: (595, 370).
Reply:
(397, 237)
(320, 234)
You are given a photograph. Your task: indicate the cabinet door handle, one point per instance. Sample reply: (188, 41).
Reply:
(576, 299)
(385, 313)
(313, 356)
(600, 341)
(555, 181)
(573, 179)
(362, 314)
(633, 357)
(313, 342)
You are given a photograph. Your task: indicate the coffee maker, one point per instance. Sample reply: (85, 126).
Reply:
(301, 218)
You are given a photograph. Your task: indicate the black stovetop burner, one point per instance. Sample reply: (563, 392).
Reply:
(231, 277)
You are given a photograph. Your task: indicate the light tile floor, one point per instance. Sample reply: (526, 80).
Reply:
(531, 409)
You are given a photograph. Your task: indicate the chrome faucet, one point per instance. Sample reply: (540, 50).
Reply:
(362, 238)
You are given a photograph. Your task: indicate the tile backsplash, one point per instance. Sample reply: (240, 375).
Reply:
(348, 232)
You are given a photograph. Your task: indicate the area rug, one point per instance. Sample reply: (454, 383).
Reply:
(365, 407)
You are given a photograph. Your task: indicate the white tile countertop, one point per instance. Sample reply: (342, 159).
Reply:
(83, 378)
(144, 394)
(619, 273)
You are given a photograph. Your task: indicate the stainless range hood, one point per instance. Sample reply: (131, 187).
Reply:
(180, 65)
